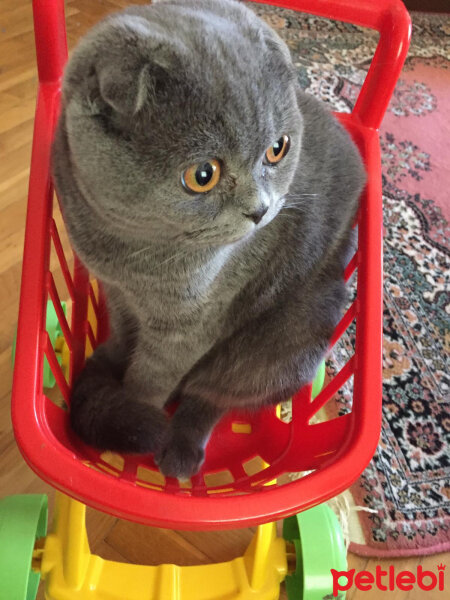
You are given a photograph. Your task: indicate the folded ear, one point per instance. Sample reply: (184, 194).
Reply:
(140, 62)
(124, 62)
(126, 91)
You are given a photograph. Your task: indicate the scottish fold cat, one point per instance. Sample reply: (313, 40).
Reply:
(214, 201)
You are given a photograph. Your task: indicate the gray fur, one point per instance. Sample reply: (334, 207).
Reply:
(206, 306)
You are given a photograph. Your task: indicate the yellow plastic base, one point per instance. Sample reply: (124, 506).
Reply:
(71, 572)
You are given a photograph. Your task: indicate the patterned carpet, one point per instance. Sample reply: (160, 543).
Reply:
(407, 484)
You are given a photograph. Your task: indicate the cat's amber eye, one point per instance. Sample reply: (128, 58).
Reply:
(278, 150)
(201, 178)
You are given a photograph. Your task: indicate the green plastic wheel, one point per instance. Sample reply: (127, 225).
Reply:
(319, 547)
(54, 331)
(319, 380)
(23, 519)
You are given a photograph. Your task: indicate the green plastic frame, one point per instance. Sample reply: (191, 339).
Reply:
(319, 547)
(23, 520)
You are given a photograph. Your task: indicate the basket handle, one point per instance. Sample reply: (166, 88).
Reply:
(50, 39)
(392, 20)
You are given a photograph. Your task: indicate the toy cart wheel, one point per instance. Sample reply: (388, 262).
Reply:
(23, 519)
(319, 547)
(54, 331)
(319, 380)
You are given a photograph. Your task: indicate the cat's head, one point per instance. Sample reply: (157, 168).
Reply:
(182, 121)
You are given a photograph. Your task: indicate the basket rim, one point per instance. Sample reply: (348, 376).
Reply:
(161, 509)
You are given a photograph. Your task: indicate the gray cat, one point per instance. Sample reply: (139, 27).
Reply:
(214, 201)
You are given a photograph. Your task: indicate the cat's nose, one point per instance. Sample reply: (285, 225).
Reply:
(257, 215)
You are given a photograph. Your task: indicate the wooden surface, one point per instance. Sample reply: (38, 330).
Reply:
(442, 6)
(109, 537)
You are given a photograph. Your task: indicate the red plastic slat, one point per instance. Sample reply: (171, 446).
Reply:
(343, 324)
(59, 311)
(96, 309)
(56, 369)
(62, 258)
(350, 268)
(90, 334)
(334, 386)
(79, 316)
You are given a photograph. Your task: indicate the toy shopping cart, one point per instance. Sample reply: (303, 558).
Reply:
(243, 481)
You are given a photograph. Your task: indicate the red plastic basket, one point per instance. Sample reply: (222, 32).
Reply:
(235, 487)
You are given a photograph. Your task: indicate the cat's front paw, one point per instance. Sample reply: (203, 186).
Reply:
(180, 457)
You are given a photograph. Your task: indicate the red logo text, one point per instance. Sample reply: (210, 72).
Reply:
(388, 580)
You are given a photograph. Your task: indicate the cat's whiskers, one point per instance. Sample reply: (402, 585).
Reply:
(140, 251)
(170, 259)
(299, 195)
(298, 206)
(185, 237)
(298, 199)
(154, 255)
(193, 235)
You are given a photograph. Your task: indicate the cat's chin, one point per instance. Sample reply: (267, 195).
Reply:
(243, 237)
(236, 241)
(226, 241)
